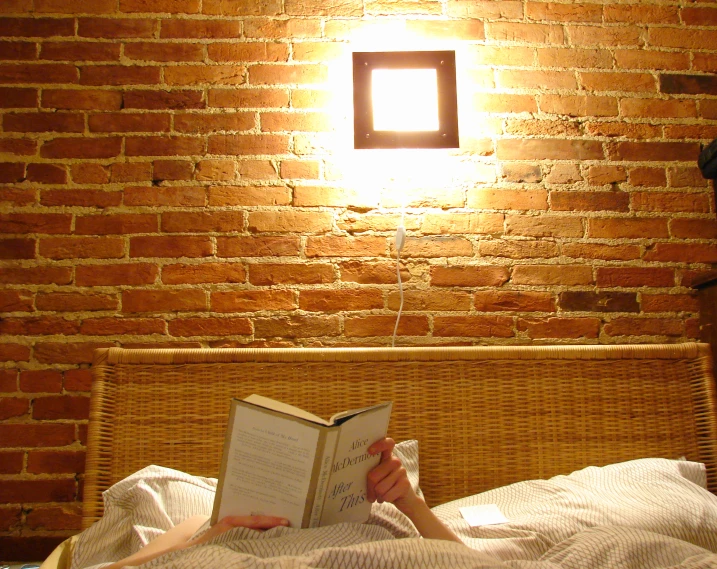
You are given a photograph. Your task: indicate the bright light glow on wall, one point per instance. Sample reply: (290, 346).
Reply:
(405, 99)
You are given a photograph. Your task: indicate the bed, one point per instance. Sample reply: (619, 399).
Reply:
(599, 456)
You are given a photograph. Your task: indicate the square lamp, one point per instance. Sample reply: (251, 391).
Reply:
(405, 99)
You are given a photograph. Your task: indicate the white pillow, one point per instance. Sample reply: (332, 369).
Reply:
(666, 497)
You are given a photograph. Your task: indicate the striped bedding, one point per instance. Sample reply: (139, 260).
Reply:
(642, 514)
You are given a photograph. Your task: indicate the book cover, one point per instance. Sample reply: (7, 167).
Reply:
(280, 460)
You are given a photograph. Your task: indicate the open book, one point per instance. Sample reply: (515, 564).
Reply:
(282, 461)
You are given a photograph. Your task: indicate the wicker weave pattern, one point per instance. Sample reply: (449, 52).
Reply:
(484, 417)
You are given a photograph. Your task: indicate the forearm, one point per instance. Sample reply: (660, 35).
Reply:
(426, 522)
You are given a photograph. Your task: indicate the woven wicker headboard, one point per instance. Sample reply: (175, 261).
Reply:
(483, 416)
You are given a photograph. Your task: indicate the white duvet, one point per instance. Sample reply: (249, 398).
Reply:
(642, 514)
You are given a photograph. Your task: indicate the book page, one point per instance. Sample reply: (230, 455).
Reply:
(269, 465)
(346, 495)
(285, 408)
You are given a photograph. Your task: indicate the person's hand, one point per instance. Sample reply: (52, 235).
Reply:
(388, 482)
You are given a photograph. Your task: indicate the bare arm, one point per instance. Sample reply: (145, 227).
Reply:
(179, 536)
(388, 482)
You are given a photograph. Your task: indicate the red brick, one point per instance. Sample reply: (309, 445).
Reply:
(183, 196)
(67, 517)
(195, 123)
(469, 276)
(116, 224)
(621, 227)
(119, 75)
(158, 100)
(430, 300)
(38, 73)
(201, 29)
(16, 196)
(164, 146)
(247, 144)
(549, 149)
(693, 228)
(131, 172)
(272, 28)
(258, 246)
(290, 221)
(669, 303)
(46, 174)
(635, 277)
(473, 326)
(120, 274)
(212, 221)
(12, 172)
(67, 352)
(644, 327)
(74, 302)
(82, 248)
(14, 352)
(560, 327)
(17, 248)
(340, 300)
(210, 327)
(23, 435)
(513, 301)
(223, 8)
(39, 325)
(10, 463)
(47, 223)
(129, 122)
(378, 325)
(253, 300)
(74, 99)
(682, 252)
(544, 226)
(267, 274)
(163, 51)
(172, 170)
(108, 28)
(589, 201)
(671, 202)
(61, 407)
(164, 300)
(16, 301)
(245, 97)
(81, 197)
(601, 251)
(508, 199)
(434, 247)
(11, 97)
(654, 151)
(78, 380)
(80, 51)
(203, 273)
(36, 275)
(552, 275)
(249, 51)
(37, 27)
(38, 490)
(363, 272)
(338, 246)
(18, 146)
(12, 407)
(165, 6)
(170, 246)
(70, 6)
(18, 50)
(81, 148)
(573, 57)
(117, 326)
(8, 380)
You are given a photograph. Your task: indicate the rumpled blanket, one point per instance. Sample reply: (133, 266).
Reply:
(642, 514)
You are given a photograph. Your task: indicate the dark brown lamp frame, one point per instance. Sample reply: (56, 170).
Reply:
(444, 62)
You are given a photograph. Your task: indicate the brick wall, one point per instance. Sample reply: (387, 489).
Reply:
(179, 173)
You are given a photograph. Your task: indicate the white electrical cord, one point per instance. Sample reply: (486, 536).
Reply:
(400, 240)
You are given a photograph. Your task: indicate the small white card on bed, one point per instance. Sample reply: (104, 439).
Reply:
(483, 515)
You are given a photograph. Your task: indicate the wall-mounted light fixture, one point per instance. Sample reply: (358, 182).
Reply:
(405, 99)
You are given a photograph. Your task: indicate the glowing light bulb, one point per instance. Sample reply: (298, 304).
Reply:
(405, 100)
